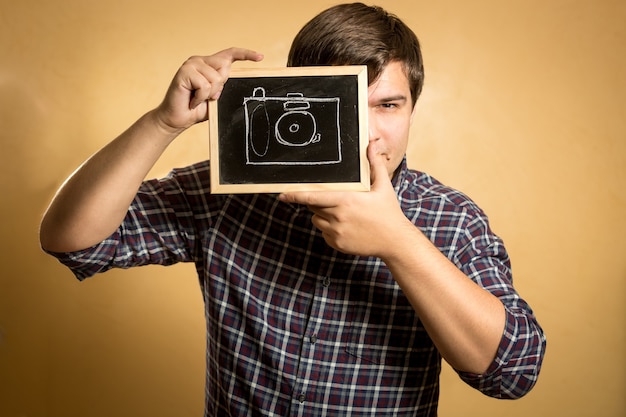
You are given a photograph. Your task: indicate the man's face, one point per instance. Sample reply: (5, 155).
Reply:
(390, 114)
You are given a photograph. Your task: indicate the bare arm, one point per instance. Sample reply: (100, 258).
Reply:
(92, 203)
(464, 321)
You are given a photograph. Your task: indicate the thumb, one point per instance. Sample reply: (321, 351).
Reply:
(378, 169)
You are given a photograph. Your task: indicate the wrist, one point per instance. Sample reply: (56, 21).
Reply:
(403, 239)
(164, 130)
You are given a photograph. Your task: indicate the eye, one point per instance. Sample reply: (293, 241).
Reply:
(388, 106)
(388, 103)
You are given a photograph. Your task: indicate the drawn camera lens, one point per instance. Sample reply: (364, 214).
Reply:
(296, 127)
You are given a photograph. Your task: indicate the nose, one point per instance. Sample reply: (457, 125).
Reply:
(373, 131)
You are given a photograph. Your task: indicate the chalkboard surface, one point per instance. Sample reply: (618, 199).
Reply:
(290, 129)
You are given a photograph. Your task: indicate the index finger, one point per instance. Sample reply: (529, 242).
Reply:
(243, 54)
(223, 60)
(321, 199)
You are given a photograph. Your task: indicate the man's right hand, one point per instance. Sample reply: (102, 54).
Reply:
(199, 79)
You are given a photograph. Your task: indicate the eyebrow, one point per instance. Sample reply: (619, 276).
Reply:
(400, 97)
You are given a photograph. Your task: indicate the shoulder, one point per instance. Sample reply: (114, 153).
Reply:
(419, 188)
(446, 215)
(192, 180)
(455, 224)
(195, 174)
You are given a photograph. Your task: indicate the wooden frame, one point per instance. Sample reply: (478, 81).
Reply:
(290, 129)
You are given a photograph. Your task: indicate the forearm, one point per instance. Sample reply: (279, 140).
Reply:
(92, 203)
(464, 321)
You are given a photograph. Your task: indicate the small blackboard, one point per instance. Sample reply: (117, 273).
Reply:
(290, 129)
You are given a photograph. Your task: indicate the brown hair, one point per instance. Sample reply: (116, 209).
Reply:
(357, 34)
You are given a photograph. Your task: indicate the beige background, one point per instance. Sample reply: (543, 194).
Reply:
(523, 109)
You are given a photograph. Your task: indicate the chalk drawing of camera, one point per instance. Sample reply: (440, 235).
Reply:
(292, 130)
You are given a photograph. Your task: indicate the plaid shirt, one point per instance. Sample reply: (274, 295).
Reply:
(297, 328)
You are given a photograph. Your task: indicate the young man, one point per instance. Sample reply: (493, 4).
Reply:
(317, 303)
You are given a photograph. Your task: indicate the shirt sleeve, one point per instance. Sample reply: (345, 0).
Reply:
(515, 369)
(159, 229)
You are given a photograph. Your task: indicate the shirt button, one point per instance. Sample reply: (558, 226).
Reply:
(313, 339)
(326, 282)
(301, 398)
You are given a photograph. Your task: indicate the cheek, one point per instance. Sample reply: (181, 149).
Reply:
(398, 135)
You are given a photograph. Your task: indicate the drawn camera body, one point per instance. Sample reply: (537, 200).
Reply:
(291, 130)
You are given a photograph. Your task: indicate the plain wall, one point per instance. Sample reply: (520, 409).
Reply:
(523, 109)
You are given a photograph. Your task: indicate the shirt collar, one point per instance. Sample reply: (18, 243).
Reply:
(399, 175)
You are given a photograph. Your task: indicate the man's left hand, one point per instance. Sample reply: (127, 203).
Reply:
(358, 223)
